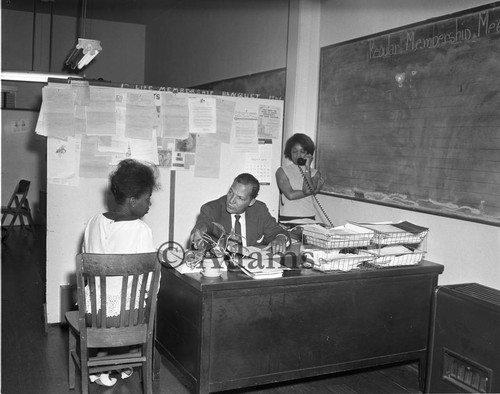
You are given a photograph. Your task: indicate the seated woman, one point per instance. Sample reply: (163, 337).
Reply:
(297, 181)
(122, 231)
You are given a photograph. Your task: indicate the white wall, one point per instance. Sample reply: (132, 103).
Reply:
(469, 251)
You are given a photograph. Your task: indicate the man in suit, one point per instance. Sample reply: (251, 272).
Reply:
(256, 224)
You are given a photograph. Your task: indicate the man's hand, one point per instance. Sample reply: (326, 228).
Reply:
(197, 239)
(278, 245)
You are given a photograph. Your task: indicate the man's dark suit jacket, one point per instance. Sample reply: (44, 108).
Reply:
(260, 225)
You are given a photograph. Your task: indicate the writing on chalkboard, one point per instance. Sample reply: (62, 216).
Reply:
(418, 39)
(409, 117)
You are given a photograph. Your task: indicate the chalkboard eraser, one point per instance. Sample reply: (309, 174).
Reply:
(359, 195)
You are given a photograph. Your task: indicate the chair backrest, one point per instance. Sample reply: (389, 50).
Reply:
(137, 277)
(20, 194)
(23, 187)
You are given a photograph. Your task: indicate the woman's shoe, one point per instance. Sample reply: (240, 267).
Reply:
(126, 373)
(103, 380)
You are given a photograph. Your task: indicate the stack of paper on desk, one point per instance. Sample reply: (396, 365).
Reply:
(261, 269)
(392, 256)
(334, 260)
(393, 233)
(336, 237)
(336, 232)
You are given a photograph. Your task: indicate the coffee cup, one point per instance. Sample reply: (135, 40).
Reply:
(211, 267)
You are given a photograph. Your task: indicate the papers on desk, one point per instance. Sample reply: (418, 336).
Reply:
(299, 222)
(261, 264)
(185, 269)
(397, 255)
(256, 270)
(393, 233)
(336, 237)
(328, 260)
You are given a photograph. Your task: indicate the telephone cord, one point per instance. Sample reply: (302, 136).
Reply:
(314, 197)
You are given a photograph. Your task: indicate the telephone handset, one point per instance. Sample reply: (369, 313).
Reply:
(301, 162)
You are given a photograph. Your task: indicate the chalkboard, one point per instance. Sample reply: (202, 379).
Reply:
(411, 117)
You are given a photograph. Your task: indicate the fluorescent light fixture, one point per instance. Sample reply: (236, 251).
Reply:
(83, 53)
(30, 76)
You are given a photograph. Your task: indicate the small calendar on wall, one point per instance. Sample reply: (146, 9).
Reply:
(259, 164)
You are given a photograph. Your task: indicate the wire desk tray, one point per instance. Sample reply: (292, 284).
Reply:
(398, 238)
(396, 260)
(394, 233)
(335, 239)
(336, 261)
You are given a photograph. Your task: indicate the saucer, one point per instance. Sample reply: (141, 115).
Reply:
(210, 275)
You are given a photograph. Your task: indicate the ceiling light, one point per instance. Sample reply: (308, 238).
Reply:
(83, 53)
(30, 76)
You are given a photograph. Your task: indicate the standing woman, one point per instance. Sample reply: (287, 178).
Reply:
(122, 231)
(297, 181)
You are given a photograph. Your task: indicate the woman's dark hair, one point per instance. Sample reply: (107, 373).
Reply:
(303, 140)
(249, 179)
(132, 178)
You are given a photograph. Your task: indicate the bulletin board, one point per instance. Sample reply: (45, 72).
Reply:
(199, 142)
(92, 126)
(410, 117)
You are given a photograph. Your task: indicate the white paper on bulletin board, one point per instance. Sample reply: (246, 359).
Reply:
(259, 164)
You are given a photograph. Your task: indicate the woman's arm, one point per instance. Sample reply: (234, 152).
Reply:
(286, 188)
(317, 182)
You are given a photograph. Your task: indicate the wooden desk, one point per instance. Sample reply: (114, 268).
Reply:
(235, 331)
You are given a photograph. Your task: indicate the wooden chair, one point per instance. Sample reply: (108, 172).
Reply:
(19, 208)
(90, 330)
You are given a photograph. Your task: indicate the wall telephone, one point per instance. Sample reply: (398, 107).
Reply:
(301, 162)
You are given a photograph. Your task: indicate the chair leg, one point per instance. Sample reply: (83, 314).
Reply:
(147, 370)
(31, 223)
(8, 229)
(156, 364)
(30, 226)
(21, 220)
(84, 368)
(147, 377)
(71, 362)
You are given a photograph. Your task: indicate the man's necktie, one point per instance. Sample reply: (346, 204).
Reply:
(237, 227)
(237, 230)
